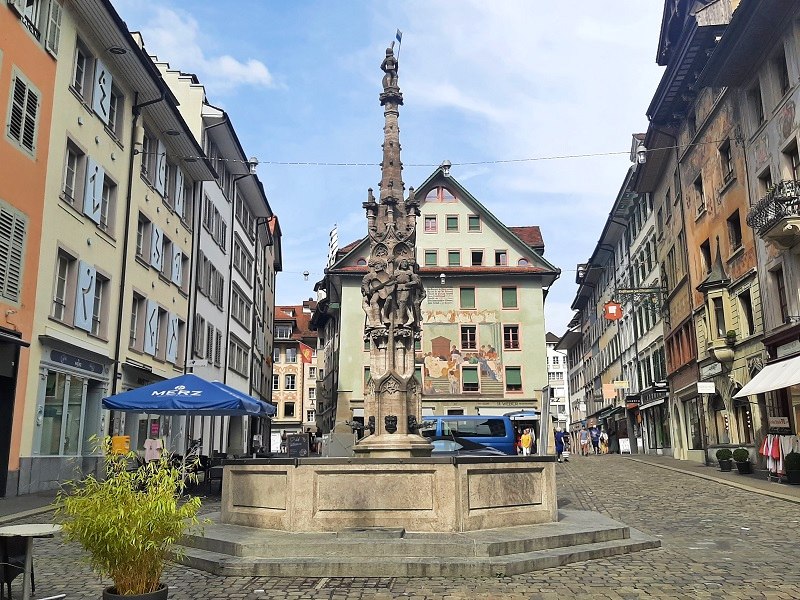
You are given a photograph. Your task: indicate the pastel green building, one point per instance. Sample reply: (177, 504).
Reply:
(482, 349)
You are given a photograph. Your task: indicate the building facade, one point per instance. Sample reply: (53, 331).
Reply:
(28, 58)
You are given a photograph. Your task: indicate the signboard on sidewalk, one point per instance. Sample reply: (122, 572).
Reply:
(624, 445)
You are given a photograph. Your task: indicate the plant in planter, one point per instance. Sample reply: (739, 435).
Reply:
(791, 463)
(742, 459)
(730, 337)
(724, 456)
(129, 521)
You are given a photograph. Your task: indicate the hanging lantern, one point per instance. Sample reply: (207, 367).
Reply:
(612, 311)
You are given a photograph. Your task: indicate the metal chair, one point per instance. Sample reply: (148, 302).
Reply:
(13, 563)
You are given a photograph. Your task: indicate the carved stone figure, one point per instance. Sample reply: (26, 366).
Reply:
(389, 66)
(404, 277)
(371, 425)
(390, 423)
(413, 426)
(418, 292)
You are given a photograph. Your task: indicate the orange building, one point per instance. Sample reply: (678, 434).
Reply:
(29, 35)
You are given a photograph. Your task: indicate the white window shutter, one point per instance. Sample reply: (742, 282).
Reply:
(179, 182)
(156, 248)
(161, 169)
(101, 99)
(12, 249)
(53, 27)
(172, 338)
(151, 328)
(93, 190)
(84, 296)
(177, 266)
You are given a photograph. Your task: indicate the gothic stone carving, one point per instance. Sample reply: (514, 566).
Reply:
(390, 423)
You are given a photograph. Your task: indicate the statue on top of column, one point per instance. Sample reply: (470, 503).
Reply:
(389, 66)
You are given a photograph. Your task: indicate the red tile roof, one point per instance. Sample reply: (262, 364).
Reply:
(302, 320)
(531, 235)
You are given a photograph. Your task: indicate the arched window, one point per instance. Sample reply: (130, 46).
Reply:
(523, 262)
(440, 194)
(361, 262)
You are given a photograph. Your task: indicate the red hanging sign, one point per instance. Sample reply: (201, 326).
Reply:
(612, 311)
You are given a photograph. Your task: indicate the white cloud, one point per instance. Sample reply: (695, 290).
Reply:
(175, 37)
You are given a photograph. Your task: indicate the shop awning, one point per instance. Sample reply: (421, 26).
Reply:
(188, 394)
(773, 377)
(13, 339)
(651, 404)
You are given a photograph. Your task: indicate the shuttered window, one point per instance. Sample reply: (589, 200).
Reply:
(23, 114)
(513, 379)
(469, 379)
(53, 27)
(509, 297)
(12, 248)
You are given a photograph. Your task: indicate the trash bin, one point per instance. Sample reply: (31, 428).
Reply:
(120, 444)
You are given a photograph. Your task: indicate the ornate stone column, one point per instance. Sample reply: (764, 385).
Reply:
(392, 293)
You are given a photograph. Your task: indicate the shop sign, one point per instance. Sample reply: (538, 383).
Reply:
(709, 371)
(787, 349)
(621, 384)
(777, 422)
(74, 361)
(706, 387)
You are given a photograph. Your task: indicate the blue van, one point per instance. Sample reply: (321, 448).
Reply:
(496, 432)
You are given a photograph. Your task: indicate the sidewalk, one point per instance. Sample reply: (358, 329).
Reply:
(20, 507)
(757, 482)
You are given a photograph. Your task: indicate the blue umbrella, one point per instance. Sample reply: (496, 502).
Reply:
(188, 394)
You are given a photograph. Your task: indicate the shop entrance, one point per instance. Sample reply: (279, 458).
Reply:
(9, 359)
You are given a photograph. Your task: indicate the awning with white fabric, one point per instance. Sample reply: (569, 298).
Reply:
(773, 377)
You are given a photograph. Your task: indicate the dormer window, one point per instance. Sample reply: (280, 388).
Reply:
(440, 194)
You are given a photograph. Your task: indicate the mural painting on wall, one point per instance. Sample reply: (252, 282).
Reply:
(443, 360)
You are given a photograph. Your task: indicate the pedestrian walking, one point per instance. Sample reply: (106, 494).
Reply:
(595, 435)
(560, 437)
(603, 442)
(526, 441)
(583, 437)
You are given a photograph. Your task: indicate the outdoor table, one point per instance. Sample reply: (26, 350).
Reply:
(30, 531)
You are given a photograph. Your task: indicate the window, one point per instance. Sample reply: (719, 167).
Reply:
(23, 114)
(765, 182)
(143, 238)
(791, 162)
(513, 379)
(198, 341)
(367, 379)
(291, 355)
(242, 260)
(726, 158)
(70, 414)
(165, 264)
(239, 356)
(108, 204)
(440, 194)
(469, 379)
(705, 255)
(556, 361)
(312, 372)
(13, 225)
(756, 104)
(469, 337)
(218, 348)
(430, 224)
(64, 288)
(453, 258)
(283, 332)
(276, 382)
(523, 262)
(53, 27)
(431, 258)
(477, 258)
(500, 258)
(215, 224)
(82, 70)
(137, 310)
(781, 70)
(210, 343)
(100, 306)
(290, 382)
(467, 297)
(746, 320)
(474, 223)
(245, 216)
(509, 297)
(74, 173)
(452, 223)
(735, 231)
(240, 308)
(699, 195)
(149, 155)
(511, 337)
(276, 355)
(719, 317)
(288, 409)
(780, 288)
(116, 112)
(310, 415)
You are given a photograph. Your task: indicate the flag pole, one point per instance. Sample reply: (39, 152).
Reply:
(399, 37)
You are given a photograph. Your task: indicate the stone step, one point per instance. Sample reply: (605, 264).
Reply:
(574, 529)
(342, 565)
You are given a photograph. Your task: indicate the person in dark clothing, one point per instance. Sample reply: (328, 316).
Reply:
(595, 433)
(560, 443)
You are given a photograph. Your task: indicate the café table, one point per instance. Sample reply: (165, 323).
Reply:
(28, 532)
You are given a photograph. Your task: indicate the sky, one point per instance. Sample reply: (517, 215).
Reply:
(483, 82)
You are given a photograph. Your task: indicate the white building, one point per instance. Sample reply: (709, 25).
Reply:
(558, 383)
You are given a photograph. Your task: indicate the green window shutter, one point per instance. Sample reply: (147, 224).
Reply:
(513, 376)
(430, 258)
(454, 259)
(509, 297)
(452, 223)
(418, 374)
(469, 375)
(467, 297)
(474, 223)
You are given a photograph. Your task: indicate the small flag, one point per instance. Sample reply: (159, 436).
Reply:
(399, 37)
(306, 352)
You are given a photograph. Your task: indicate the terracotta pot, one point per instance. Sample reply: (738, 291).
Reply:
(110, 593)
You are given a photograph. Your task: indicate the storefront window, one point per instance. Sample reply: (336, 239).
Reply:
(745, 421)
(657, 419)
(694, 434)
(68, 401)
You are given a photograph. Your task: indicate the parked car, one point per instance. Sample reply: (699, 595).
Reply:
(496, 432)
(449, 445)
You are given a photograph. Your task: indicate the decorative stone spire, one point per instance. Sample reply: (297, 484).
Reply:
(392, 293)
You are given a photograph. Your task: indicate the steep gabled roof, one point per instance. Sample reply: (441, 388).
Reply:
(531, 235)
(301, 321)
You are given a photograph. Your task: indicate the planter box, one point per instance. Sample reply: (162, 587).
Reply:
(726, 465)
(745, 468)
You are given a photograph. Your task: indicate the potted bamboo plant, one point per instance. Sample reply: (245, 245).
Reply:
(724, 456)
(742, 459)
(792, 465)
(129, 521)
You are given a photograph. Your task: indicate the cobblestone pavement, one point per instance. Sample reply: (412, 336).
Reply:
(718, 542)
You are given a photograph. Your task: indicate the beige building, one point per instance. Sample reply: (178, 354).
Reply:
(112, 300)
